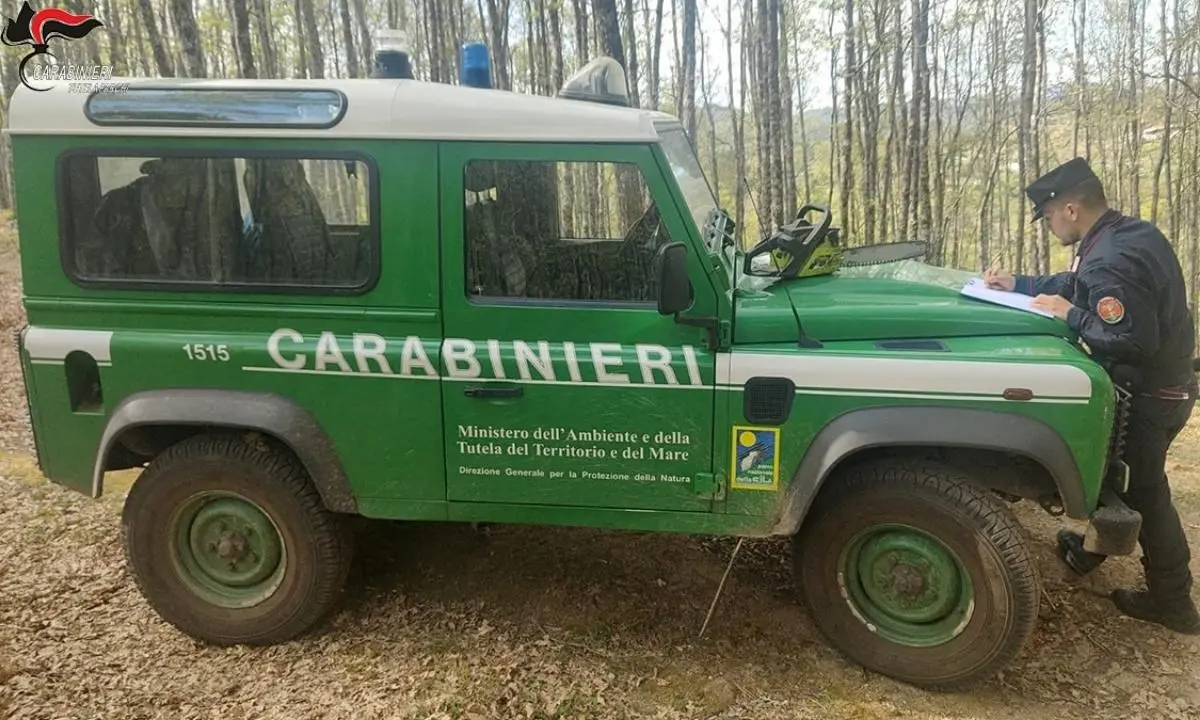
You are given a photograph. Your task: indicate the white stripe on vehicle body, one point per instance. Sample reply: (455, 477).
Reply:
(928, 396)
(842, 374)
(832, 392)
(676, 368)
(657, 366)
(50, 346)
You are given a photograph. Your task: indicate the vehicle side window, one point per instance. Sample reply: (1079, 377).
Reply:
(223, 221)
(582, 231)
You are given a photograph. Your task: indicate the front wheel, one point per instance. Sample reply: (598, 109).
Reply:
(911, 571)
(229, 542)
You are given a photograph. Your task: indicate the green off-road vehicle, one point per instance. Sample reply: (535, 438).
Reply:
(291, 302)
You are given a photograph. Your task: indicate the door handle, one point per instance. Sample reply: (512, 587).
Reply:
(494, 392)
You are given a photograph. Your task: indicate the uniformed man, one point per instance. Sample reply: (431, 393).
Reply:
(1125, 298)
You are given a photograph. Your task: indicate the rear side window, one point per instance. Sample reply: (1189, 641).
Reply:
(210, 222)
(229, 107)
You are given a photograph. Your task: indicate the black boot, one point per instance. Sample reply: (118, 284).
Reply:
(1177, 613)
(1070, 551)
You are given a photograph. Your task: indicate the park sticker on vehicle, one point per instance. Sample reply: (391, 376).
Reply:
(755, 458)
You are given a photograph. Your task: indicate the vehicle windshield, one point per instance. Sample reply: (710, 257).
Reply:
(696, 191)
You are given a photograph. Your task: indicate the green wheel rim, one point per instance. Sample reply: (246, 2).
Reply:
(905, 585)
(227, 550)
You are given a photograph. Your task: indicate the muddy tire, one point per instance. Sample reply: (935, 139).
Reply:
(228, 541)
(911, 571)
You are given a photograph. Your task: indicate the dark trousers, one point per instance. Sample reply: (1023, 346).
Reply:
(1153, 425)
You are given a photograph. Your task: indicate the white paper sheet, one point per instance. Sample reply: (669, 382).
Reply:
(976, 288)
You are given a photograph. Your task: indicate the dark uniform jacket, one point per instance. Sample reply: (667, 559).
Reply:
(1130, 301)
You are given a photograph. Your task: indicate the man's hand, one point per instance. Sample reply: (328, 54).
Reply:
(999, 279)
(1056, 305)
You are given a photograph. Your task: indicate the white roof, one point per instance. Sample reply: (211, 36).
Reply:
(376, 108)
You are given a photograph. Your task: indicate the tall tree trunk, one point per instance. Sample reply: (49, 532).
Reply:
(1079, 19)
(631, 54)
(656, 59)
(738, 119)
(769, 41)
(610, 33)
(189, 38)
(1137, 17)
(787, 131)
(117, 40)
(161, 60)
(847, 150)
(266, 44)
(686, 86)
(1025, 132)
(926, 209)
(351, 54)
(501, 56)
(242, 43)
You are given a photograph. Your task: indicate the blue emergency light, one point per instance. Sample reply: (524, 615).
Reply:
(476, 70)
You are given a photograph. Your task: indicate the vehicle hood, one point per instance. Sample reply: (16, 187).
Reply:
(835, 308)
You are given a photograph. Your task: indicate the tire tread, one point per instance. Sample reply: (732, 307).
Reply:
(951, 489)
(331, 538)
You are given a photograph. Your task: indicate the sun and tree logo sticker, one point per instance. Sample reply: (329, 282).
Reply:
(37, 27)
(755, 458)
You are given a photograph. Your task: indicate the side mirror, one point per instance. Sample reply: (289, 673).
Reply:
(675, 293)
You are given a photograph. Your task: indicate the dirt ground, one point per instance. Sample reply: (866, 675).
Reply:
(443, 622)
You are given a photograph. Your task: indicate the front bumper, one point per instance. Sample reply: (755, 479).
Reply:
(1114, 527)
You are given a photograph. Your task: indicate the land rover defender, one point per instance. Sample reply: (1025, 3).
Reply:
(290, 302)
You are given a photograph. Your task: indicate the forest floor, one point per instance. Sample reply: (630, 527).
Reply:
(524, 622)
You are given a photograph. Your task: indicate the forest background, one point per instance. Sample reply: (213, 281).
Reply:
(911, 119)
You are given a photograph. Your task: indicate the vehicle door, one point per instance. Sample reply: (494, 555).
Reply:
(562, 384)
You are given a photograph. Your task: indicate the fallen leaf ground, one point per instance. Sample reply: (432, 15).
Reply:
(524, 622)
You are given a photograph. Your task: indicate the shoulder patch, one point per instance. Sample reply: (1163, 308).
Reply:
(1110, 310)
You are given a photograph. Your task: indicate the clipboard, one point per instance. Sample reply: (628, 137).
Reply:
(977, 289)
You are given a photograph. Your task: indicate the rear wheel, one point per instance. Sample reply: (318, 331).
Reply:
(912, 571)
(229, 542)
